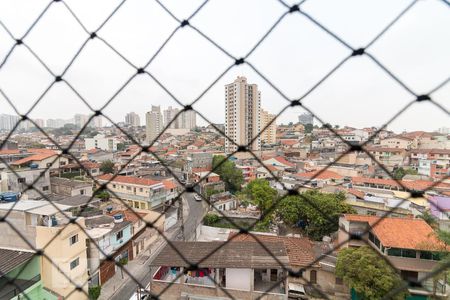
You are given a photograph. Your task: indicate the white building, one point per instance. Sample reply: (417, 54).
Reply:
(154, 123)
(101, 142)
(7, 122)
(242, 114)
(188, 120)
(80, 120)
(268, 135)
(169, 115)
(132, 119)
(56, 123)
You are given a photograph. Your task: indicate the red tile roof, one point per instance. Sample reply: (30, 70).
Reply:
(35, 157)
(300, 250)
(6, 151)
(289, 142)
(327, 174)
(169, 184)
(417, 185)
(128, 179)
(283, 160)
(129, 215)
(403, 233)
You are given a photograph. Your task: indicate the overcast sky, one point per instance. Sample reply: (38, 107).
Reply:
(295, 56)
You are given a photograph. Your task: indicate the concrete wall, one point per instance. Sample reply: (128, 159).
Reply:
(55, 266)
(239, 279)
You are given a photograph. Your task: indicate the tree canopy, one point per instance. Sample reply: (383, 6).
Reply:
(319, 211)
(400, 173)
(107, 166)
(228, 172)
(370, 276)
(259, 193)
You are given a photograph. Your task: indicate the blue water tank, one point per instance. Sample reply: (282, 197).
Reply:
(9, 196)
(34, 166)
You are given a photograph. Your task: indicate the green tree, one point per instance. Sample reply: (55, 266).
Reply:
(308, 128)
(320, 211)
(260, 194)
(370, 276)
(228, 172)
(399, 173)
(107, 166)
(429, 218)
(94, 292)
(121, 147)
(211, 219)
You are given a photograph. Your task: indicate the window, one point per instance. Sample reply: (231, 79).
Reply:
(408, 253)
(81, 192)
(73, 239)
(21, 180)
(114, 186)
(371, 237)
(119, 235)
(45, 188)
(394, 252)
(426, 255)
(74, 263)
(313, 277)
(128, 188)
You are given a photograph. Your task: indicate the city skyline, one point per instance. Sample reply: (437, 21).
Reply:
(359, 94)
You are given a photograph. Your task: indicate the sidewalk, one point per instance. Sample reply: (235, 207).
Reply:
(139, 267)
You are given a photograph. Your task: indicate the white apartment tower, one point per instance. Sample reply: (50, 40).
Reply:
(132, 119)
(188, 119)
(242, 114)
(268, 135)
(170, 114)
(154, 123)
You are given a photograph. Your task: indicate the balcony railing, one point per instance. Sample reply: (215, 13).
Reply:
(10, 290)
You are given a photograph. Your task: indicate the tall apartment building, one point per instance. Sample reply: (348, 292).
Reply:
(133, 119)
(306, 118)
(96, 122)
(268, 135)
(169, 115)
(40, 122)
(56, 123)
(154, 123)
(242, 114)
(7, 122)
(80, 120)
(188, 119)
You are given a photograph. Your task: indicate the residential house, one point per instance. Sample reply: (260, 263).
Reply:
(280, 162)
(83, 168)
(70, 187)
(19, 181)
(139, 193)
(399, 142)
(208, 183)
(47, 226)
(242, 270)
(23, 268)
(223, 201)
(42, 159)
(101, 142)
(318, 178)
(389, 157)
(410, 245)
(108, 235)
(440, 209)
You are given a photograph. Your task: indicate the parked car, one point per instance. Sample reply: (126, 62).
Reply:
(197, 197)
(296, 291)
